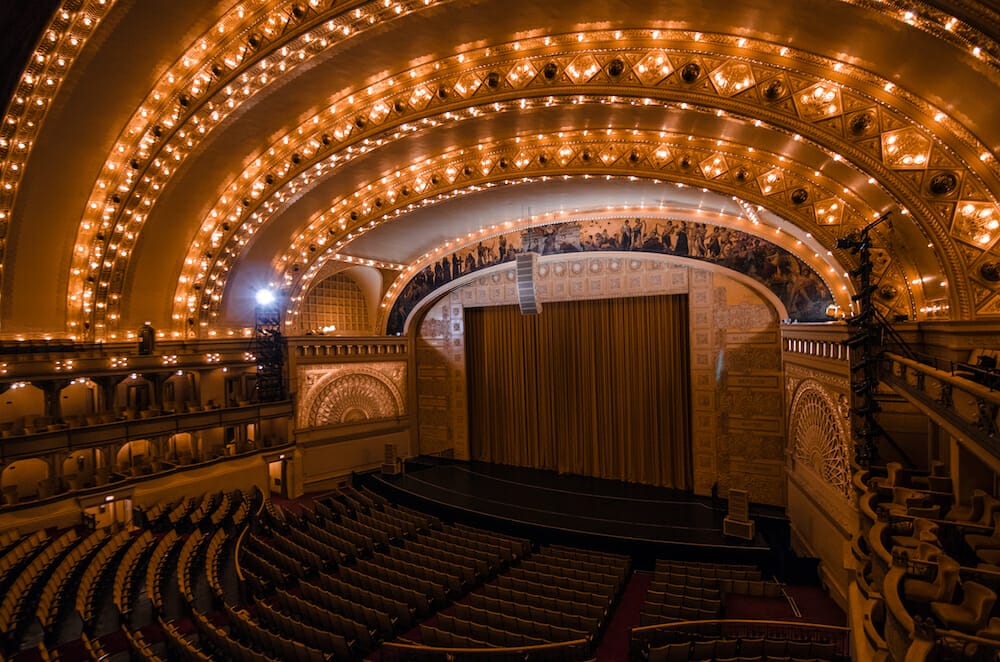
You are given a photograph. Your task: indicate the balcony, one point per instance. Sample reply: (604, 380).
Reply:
(71, 439)
(945, 392)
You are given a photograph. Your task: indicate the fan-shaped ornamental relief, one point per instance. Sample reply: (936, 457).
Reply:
(818, 437)
(335, 395)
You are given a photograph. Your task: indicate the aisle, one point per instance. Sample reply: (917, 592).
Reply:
(614, 645)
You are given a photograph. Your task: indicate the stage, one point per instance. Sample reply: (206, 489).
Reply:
(644, 521)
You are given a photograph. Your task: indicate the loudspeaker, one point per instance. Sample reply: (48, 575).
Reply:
(738, 523)
(525, 271)
(743, 530)
(391, 463)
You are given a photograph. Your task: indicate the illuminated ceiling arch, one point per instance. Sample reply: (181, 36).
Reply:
(905, 144)
(298, 154)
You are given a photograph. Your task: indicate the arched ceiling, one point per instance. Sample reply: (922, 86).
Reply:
(162, 159)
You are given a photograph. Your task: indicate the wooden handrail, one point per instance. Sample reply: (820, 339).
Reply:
(492, 650)
(741, 621)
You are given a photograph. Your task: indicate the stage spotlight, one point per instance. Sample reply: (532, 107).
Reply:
(265, 297)
(843, 243)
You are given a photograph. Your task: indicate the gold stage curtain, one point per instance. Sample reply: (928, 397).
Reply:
(594, 388)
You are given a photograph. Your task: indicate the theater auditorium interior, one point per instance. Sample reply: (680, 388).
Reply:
(467, 329)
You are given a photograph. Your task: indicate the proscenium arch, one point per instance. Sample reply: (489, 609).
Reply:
(957, 285)
(405, 296)
(412, 323)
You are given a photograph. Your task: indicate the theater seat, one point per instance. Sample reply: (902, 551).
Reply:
(971, 614)
(942, 589)
(992, 541)
(970, 512)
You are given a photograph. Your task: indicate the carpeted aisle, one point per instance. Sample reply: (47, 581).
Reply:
(816, 607)
(614, 645)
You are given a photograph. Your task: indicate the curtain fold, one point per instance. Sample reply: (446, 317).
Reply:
(595, 388)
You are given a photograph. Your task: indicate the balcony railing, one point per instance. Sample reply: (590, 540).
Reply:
(71, 439)
(963, 406)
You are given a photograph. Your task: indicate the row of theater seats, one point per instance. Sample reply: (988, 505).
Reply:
(51, 580)
(930, 567)
(392, 566)
(126, 582)
(707, 570)
(691, 591)
(235, 576)
(556, 600)
(22, 594)
(392, 577)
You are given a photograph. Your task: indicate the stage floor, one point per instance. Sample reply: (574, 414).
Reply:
(536, 502)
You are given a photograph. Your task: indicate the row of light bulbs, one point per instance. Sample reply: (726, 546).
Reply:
(824, 93)
(162, 125)
(321, 221)
(655, 143)
(187, 63)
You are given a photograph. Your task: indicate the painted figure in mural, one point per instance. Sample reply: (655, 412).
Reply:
(652, 242)
(549, 243)
(712, 245)
(699, 247)
(681, 240)
(801, 289)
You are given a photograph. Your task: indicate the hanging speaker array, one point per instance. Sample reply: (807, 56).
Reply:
(527, 298)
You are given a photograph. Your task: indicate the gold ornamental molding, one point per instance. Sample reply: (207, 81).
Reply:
(256, 44)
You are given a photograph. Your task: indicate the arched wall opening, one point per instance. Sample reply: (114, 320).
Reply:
(737, 401)
(24, 479)
(20, 406)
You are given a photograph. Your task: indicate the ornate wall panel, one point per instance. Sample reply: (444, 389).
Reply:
(818, 435)
(821, 507)
(441, 395)
(746, 378)
(704, 398)
(581, 277)
(350, 393)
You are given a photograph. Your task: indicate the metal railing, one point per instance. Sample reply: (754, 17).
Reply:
(965, 407)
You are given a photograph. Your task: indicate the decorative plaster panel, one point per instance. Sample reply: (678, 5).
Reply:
(351, 392)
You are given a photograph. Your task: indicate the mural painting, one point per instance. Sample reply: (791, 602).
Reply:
(799, 288)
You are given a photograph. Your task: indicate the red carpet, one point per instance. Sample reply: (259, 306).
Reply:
(614, 645)
(816, 607)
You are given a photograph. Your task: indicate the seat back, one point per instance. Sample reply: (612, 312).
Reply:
(979, 600)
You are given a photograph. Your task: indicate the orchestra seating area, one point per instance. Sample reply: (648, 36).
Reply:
(693, 591)
(342, 576)
(929, 568)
